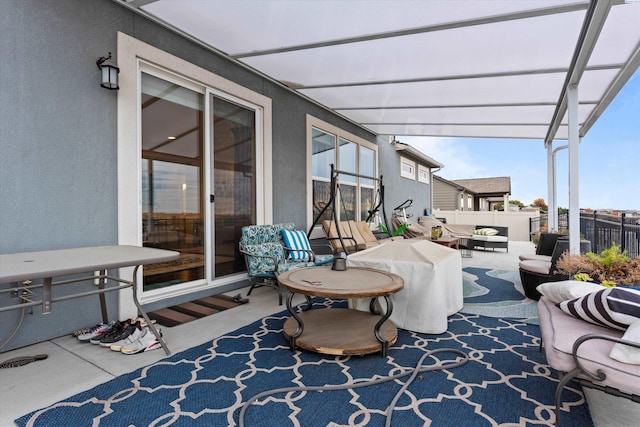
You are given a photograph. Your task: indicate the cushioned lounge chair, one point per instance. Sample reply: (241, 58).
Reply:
(536, 272)
(544, 249)
(455, 230)
(580, 351)
(355, 235)
(267, 253)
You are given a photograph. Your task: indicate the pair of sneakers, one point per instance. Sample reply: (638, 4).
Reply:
(93, 333)
(119, 332)
(144, 341)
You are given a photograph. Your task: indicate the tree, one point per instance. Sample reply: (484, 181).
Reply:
(517, 203)
(539, 202)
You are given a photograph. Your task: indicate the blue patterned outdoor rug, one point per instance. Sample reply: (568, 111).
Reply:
(497, 293)
(505, 382)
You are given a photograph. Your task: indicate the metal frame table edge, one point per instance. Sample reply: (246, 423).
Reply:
(24, 291)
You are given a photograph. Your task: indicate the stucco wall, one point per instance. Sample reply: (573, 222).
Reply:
(58, 137)
(397, 188)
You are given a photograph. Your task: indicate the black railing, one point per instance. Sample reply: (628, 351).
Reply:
(604, 230)
(541, 223)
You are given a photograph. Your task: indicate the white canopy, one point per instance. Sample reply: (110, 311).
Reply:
(541, 69)
(491, 68)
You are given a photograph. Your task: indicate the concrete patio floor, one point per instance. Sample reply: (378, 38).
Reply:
(72, 367)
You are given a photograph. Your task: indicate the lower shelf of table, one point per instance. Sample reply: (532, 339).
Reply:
(340, 331)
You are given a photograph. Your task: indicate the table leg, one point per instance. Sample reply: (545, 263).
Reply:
(151, 326)
(372, 306)
(46, 295)
(102, 279)
(376, 329)
(298, 332)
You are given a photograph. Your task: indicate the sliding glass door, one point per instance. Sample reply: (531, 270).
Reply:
(198, 161)
(234, 181)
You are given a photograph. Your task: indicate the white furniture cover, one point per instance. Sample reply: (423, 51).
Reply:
(432, 276)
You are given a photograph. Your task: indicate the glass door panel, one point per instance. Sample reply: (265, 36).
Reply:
(323, 148)
(172, 180)
(234, 181)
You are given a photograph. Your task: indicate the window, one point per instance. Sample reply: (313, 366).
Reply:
(407, 168)
(348, 153)
(423, 174)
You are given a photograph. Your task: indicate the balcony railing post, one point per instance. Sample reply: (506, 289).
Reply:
(623, 235)
(595, 233)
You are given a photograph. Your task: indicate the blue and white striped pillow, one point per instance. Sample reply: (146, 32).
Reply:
(296, 240)
(615, 308)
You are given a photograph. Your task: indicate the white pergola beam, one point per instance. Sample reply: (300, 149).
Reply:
(574, 178)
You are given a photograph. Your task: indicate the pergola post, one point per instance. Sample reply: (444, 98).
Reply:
(552, 223)
(574, 179)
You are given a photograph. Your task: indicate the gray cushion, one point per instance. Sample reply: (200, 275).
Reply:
(540, 267)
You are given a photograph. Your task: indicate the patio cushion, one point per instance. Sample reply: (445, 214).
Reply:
(565, 290)
(260, 261)
(486, 232)
(296, 239)
(535, 257)
(540, 267)
(624, 353)
(490, 238)
(615, 308)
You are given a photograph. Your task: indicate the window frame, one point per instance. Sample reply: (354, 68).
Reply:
(426, 170)
(339, 134)
(411, 164)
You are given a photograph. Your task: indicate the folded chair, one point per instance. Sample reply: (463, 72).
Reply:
(273, 249)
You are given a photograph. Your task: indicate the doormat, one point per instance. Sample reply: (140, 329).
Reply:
(190, 311)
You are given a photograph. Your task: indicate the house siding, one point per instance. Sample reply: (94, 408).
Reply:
(58, 138)
(445, 196)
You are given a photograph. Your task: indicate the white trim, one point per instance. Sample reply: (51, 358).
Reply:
(130, 52)
(410, 164)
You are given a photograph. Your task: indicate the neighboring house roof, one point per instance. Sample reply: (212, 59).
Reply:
(416, 154)
(487, 187)
(453, 184)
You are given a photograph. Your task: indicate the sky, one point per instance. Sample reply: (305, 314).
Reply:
(608, 166)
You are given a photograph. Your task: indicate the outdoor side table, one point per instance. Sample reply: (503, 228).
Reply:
(341, 331)
(465, 246)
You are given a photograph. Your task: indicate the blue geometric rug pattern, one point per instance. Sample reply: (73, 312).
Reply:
(505, 382)
(497, 293)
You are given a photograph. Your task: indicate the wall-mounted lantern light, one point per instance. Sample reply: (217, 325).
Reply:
(109, 72)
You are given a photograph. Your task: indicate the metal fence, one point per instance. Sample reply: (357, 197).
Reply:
(602, 230)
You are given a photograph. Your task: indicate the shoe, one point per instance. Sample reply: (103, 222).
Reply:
(119, 334)
(128, 340)
(83, 331)
(239, 300)
(96, 331)
(146, 342)
(115, 328)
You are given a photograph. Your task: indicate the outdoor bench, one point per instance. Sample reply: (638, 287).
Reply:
(500, 240)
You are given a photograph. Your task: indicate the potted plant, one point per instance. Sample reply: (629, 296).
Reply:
(610, 268)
